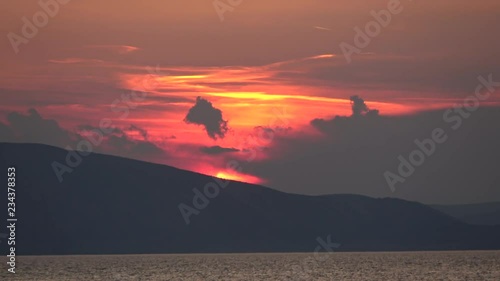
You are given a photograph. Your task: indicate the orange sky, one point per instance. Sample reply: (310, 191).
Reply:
(266, 59)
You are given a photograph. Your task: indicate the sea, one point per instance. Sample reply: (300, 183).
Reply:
(386, 266)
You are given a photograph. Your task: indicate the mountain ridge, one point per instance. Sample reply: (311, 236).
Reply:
(479, 213)
(113, 205)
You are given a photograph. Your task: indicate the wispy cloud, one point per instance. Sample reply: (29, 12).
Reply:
(322, 28)
(75, 61)
(121, 49)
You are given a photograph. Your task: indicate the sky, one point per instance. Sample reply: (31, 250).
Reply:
(199, 84)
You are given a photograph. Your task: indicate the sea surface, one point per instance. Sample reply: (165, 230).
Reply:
(410, 266)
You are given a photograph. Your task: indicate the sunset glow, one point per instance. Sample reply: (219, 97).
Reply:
(236, 177)
(263, 84)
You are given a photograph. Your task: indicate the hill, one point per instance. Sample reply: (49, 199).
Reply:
(479, 214)
(112, 205)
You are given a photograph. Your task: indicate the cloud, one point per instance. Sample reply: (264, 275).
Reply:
(139, 130)
(359, 107)
(33, 128)
(352, 153)
(121, 49)
(205, 114)
(217, 149)
(123, 145)
(322, 28)
(385, 75)
(355, 127)
(120, 143)
(75, 61)
(6, 134)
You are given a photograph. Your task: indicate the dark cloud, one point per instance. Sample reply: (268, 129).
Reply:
(6, 134)
(141, 131)
(89, 128)
(353, 152)
(120, 143)
(123, 145)
(33, 128)
(363, 121)
(217, 149)
(204, 113)
(360, 108)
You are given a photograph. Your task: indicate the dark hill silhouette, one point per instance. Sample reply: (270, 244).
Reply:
(480, 214)
(112, 205)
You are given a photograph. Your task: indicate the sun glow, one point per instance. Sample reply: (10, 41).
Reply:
(238, 177)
